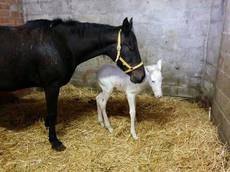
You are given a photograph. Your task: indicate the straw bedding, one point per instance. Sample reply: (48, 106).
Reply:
(174, 135)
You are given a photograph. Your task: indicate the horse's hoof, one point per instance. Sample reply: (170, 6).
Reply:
(58, 146)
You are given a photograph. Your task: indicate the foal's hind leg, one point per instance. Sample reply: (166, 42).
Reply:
(105, 97)
(99, 111)
(50, 121)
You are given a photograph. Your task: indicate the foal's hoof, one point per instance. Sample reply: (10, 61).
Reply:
(58, 146)
(102, 124)
(110, 129)
(135, 137)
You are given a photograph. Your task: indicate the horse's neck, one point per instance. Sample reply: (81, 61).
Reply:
(93, 42)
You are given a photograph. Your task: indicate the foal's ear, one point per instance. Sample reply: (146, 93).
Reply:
(159, 64)
(148, 69)
(126, 26)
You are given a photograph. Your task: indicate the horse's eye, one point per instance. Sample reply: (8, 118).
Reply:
(131, 48)
(153, 81)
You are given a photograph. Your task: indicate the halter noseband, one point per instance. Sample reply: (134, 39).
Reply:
(129, 68)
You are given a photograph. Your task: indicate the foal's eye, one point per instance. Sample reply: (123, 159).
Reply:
(153, 81)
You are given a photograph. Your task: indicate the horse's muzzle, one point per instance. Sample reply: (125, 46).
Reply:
(138, 75)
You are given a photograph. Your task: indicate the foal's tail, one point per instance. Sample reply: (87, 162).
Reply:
(90, 72)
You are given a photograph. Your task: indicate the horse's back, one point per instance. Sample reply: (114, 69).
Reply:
(23, 50)
(42, 24)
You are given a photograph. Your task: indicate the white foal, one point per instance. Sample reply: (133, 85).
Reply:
(110, 76)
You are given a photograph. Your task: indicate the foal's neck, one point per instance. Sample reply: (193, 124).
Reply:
(145, 82)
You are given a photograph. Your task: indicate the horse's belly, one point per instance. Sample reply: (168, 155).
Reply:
(17, 78)
(10, 86)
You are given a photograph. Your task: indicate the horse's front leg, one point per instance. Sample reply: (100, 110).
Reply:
(52, 93)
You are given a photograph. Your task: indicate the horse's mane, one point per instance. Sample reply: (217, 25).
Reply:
(81, 28)
(45, 23)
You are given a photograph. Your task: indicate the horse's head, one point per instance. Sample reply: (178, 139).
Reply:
(126, 53)
(154, 78)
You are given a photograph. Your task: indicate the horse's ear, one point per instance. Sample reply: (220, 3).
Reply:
(159, 64)
(126, 26)
(131, 22)
(125, 22)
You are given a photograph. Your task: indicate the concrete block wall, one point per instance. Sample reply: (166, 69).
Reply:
(213, 48)
(11, 12)
(221, 102)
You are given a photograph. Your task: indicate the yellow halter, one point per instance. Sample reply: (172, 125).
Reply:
(129, 68)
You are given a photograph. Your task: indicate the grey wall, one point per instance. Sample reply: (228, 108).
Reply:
(213, 48)
(180, 32)
(221, 102)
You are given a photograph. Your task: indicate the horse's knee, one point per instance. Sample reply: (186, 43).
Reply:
(50, 120)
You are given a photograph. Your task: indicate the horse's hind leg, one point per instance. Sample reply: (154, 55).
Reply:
(52, 93)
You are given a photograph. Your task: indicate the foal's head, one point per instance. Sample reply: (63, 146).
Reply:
(126, 53)
(154, 78)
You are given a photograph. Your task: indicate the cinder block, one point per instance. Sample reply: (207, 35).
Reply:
(224, 62)
(223, 102)
(10, 12)
(222, 123)
(225, 43)
(223, 82)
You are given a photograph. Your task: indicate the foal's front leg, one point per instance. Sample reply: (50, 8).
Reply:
(132, 111)
(52, 93)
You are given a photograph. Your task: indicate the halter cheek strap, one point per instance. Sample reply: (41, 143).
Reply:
(129, 68)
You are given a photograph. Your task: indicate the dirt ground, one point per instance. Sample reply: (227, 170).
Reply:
(174, 135)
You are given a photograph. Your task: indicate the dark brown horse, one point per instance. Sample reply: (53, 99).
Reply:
(45, 53)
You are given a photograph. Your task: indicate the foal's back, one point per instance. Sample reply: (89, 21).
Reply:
(111, 72)
(109, 76)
